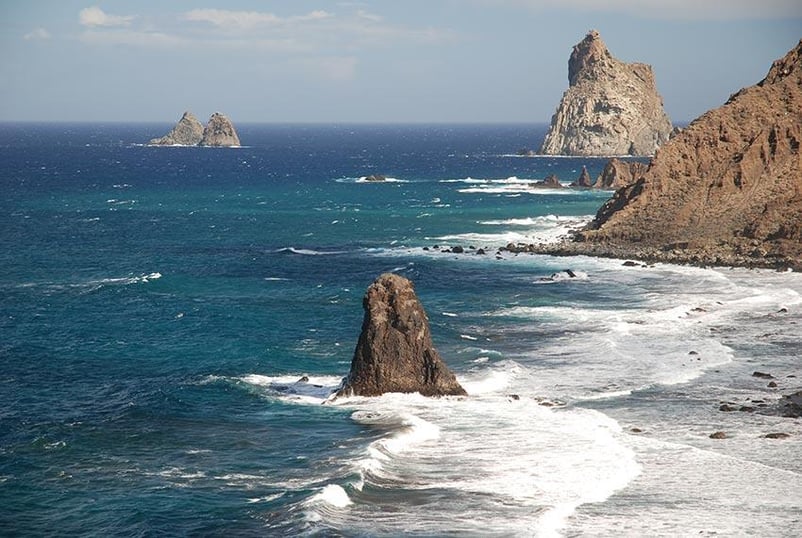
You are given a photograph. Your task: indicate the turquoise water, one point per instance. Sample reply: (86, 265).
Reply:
(160, 304)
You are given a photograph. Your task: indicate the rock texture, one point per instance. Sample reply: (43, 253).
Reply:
(583, 180)
(726, 189)
(618, 173)
(395, 351)
(610, 107)
(187, 132)
(219, 132)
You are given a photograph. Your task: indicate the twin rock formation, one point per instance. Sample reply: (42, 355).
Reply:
(610, 107)
(726, 188)
(395, 351)
(219, 132)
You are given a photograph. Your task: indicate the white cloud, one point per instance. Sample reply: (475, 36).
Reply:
(225, 18)
(674, 9)
(37, 34)
(94, 16)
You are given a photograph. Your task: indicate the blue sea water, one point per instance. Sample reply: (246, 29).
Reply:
(158, 307)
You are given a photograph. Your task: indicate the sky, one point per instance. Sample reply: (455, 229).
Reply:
(379, 61)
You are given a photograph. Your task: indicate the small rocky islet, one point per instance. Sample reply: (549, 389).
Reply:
(218, 132)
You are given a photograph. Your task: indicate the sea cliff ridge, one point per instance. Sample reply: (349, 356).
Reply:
(727, 190)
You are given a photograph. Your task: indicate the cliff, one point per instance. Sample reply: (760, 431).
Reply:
(394, 352)
(187, 132)
(610, 107)
(726, 190)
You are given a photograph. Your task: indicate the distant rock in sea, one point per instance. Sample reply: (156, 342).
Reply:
(583, 180)
(610, 108)
(219, 131)
(725, 190)
(395, 351)
(187, 132)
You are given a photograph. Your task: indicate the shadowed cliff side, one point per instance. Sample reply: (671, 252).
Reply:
(728, 187)
(395, 351)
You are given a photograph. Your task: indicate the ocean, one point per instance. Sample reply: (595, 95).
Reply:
(160, 305)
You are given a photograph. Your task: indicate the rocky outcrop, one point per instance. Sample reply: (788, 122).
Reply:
(729, 186)
(618, 173)
(395, 351)
(187, 132)
(219, 132)
(551, 182)
(583, 180)
(610, 107)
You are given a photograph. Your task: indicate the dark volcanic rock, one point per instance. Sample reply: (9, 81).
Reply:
(610, 107)
(187, 132)
(726, 190)
(791, 405)
(395, 351)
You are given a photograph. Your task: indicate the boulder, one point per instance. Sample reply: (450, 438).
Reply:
(187, 132)
(395, 352)
(610, 107)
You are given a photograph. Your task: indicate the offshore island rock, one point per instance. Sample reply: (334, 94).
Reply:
(395, 351)
(187, 132)
(610, 107)
(726, 190)
(219, 132)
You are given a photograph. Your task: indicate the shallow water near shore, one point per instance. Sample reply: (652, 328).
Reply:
(160, 306)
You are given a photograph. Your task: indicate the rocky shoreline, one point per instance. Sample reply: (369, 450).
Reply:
(706, 257)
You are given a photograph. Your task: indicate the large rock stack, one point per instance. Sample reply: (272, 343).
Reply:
(610, 107)
(395, 351)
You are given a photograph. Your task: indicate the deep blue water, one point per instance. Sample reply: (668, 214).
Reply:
(157, 304)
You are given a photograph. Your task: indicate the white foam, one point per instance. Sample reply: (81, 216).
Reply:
(333, 495)
(309, 252)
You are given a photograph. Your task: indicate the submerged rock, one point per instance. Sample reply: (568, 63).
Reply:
(219, 132)
(187, 132)
(395, 352)
(610, 108)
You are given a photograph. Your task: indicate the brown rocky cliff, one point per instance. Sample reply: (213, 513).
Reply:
(609, 108)
(395, 351)
(618, 173)
(730, 183)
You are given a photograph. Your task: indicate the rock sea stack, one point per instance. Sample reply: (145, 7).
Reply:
(219, 132)
(187, 132)
(395, 351)
(726, 190)
(610, 107)
(583, 180)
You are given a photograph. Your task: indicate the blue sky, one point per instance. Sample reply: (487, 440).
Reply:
(370, 61)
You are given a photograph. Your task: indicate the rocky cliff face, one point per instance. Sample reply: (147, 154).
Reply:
(610, 107)
(395, 351)
(219, 132)
(187, 132)
(618, 173)
(728, 187)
